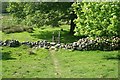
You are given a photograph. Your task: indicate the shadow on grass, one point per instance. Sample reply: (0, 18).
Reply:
(7, 56)
(64, 38)
(112, 57)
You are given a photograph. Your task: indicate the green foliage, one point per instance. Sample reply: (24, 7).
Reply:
(93, 18)
(97, 18)
(7, 21)
(39, 14)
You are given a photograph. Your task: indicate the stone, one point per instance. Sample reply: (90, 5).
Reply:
(79, 41)
(69, 46)
(26, 43)
(45, 42)
(35, 43)
(48, 43)
(38, 42)
(7, 42)
(52, 43)
(1, 43)
(99, 43)
(14, 43)
(52, 48)
(74, 44)
(66, 46)
(4, 44)
(62, 45)
(57, 45)
(31, 52)
(46, 47)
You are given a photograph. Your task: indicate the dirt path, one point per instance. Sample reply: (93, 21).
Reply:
(56, 64)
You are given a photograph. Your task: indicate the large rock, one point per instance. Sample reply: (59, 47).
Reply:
(7, 43)
(14, 43)
(1, 43)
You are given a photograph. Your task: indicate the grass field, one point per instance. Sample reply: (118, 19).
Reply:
(43, 33)
(17, 63)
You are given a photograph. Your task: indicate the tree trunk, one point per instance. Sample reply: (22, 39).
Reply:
(72, 24)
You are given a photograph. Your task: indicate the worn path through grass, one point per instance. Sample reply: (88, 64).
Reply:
(55, 63)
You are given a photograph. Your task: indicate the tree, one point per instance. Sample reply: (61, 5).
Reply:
(4, 6)
(97, 18)
(43, 13)
(73, 16)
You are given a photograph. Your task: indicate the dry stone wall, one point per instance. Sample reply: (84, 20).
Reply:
(99, 43)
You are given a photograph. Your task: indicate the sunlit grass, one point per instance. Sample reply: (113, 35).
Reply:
(88, 64)
(17, 63)
(73, 64)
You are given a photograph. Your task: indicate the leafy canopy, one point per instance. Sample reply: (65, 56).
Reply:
(40, 13)
(97, 18)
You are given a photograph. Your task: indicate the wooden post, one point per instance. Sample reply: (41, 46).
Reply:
(59, 37)
(53, 37)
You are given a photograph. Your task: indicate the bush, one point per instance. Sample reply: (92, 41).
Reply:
(17, 28)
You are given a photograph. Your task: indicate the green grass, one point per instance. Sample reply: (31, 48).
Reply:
(88, 64)
(23, 36)
(17, 63)
(73, 64)
(43, 33)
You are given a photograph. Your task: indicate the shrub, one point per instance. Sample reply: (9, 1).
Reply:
(17, 28)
